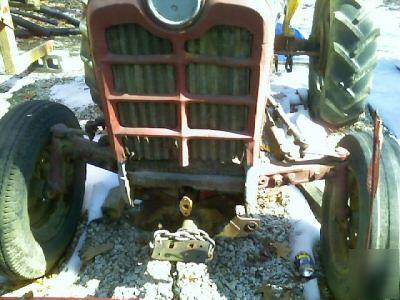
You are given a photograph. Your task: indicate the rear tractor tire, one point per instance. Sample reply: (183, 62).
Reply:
(36, 223)
(340, 78)
(345, 222)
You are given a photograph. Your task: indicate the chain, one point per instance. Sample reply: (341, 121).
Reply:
(184, 235)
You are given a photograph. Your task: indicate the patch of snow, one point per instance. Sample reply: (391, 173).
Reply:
(306, 227)
(74, 94)
(4, 106)
(385, 95)
(311, 290)
(98, 184)
(306, 232)
(60, 285)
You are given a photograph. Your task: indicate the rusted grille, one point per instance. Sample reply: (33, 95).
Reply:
(132, 39)
(180, 99)
(153, 115)
(204, 79)
(144, 148)
(207, 79)
(137, 79)
(140, 79)
(225, 152)
(225, 41)
(218, 117)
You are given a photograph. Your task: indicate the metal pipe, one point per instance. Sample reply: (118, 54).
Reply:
(58, 14)
(33, 16)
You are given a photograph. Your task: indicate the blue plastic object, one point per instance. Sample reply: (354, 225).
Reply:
(297, 34)
(279, 31)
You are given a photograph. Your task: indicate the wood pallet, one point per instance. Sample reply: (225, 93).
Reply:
(15, 63)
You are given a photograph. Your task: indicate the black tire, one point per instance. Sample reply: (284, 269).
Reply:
(341, 233)
(35, 228)
(87, 60)
(340, 78)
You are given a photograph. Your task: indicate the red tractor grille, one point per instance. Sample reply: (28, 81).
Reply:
(181, 96)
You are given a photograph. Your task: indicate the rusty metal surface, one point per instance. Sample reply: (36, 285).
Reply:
(72, 143)
(275, 176)
(374, 170)
(250, 15)
(291, 46)
(205, 182)
(240, 225)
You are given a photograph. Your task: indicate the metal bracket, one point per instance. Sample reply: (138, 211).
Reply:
(240, 225)
(185, 251)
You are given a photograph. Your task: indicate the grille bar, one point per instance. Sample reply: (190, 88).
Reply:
(187, 58)
(233, 100)
(187, 134)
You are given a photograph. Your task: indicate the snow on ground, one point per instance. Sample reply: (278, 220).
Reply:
(385, 95)
(99, 182)
(74, 94)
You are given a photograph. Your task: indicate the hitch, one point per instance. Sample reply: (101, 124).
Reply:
(188, 244)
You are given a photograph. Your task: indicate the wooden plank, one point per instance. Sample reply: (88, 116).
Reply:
(29, 57)
(8, 44)
(313, 195)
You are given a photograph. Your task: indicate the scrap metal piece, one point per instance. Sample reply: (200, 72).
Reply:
(58, 14)
(374, 170)
(184, 251)
(186, 206)
(240, 225)
(292, 129)
(94, 251)
(114, 204)
(34, 16)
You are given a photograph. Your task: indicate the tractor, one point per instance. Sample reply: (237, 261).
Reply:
(189, 125)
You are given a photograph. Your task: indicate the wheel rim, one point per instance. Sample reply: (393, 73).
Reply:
(344, 227)
(48, 210)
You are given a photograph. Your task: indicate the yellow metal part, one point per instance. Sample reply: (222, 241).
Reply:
(291, 8)
(186, 206)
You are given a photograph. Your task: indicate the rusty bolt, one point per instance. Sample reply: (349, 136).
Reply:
(291, 177)
(251, 226)
(278, 179)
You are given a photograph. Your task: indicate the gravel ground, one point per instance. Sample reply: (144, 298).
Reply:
(240, 266)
